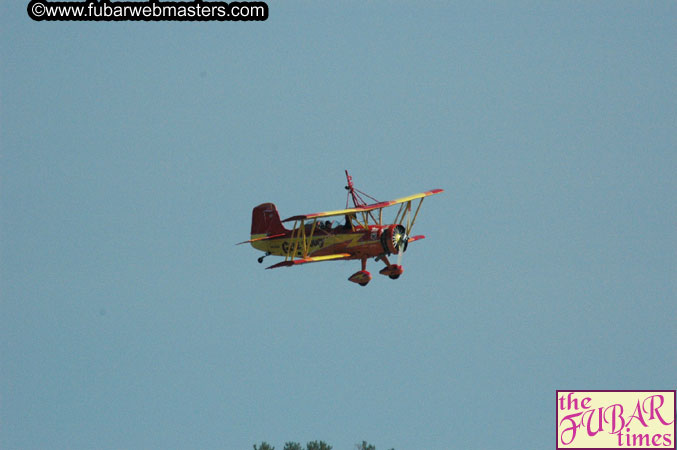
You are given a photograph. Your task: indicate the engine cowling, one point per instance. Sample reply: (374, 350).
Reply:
(393, 239)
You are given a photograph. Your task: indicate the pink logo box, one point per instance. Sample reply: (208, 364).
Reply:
(615, 420)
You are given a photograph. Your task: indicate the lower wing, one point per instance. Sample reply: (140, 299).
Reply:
(310, 260)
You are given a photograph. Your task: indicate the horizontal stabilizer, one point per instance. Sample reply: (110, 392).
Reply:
(261, 238)
(310, 260)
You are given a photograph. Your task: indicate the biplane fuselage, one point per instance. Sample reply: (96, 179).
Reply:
(362, 235)
(359, 242)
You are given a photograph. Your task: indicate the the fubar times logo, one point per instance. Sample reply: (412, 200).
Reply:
(615, 420)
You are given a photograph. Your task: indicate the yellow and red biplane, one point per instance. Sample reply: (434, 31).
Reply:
(362, 235)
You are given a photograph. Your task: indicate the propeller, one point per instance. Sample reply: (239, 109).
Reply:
(396, 238)
(401, 236)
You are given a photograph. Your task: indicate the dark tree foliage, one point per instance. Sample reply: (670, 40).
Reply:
(364, 446)
(318, 445)
(313, 445)
(264, 446)
(292, 446)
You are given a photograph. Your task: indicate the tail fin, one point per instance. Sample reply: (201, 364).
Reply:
(266, 220)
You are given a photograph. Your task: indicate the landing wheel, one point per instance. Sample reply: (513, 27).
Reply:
(260, 260)
(394, 277)
(363, 284)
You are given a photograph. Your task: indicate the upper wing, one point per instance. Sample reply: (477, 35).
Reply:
(310, 260)
(342, 212)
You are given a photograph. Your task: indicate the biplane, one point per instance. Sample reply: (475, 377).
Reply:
(361, 234)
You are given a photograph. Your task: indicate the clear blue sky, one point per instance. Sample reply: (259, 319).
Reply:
(131, 155)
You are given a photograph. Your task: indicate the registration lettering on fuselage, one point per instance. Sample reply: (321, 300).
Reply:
(315, 244)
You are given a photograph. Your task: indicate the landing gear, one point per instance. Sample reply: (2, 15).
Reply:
(361, 277)
(260, 260)
(392, 270)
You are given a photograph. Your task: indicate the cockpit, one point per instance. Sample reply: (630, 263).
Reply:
(335, 224)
